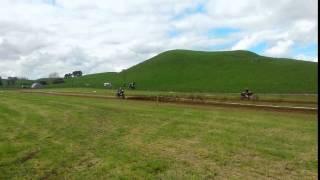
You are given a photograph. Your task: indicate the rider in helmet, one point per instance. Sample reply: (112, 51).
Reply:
(120, 92)
(246, 92)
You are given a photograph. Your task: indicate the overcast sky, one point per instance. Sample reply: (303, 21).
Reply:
(38, 37)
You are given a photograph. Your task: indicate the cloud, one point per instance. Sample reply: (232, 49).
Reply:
(280, 48)
(245, 43)
(38, 37)
(306, 58)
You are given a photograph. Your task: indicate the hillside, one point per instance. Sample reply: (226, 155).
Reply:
(224, 71)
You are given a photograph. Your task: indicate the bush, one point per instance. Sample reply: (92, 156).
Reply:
(43, 82)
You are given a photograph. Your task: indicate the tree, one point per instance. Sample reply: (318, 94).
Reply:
(0, 81)
(42, 82)
(77, 73)
(12, 80)
(22, 78)
(54, 75)
(68, 75)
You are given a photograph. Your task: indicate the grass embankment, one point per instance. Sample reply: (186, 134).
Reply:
(79, 138)
(195, 71)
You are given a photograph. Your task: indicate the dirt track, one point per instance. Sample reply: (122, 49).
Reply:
(179, 100)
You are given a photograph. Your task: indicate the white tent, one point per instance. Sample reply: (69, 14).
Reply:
(36, 85)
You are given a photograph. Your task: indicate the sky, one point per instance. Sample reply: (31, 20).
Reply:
(39, 37)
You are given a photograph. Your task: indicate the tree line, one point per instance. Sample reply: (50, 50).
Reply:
(53, 78)
(73, 74)
(14, 82)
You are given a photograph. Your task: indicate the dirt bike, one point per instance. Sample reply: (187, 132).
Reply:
(120, 94)
(248, 96)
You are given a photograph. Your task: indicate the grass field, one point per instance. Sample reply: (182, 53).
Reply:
(55, 137)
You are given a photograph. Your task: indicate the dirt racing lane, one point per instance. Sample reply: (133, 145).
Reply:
(227, 104)
(179, 100)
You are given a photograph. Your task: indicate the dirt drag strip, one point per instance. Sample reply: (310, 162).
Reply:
(177, 100)
(70, 94)
(227, 104)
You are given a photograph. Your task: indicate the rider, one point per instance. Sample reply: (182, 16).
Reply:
(247, 92)
(120, 92)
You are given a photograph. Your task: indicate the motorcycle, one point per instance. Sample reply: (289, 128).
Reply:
(120, 94)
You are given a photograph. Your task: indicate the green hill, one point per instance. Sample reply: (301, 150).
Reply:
(224, 71)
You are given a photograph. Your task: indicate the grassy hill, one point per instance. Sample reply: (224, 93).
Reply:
(224, 71)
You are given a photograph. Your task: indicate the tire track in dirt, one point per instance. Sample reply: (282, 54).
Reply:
(179, 100)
